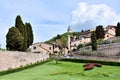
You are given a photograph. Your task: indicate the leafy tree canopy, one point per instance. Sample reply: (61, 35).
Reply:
(14, 39)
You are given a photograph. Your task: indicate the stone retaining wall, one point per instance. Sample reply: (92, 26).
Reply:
(12, 59)
(107, 49)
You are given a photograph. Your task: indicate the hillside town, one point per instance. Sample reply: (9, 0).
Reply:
(60, 40)
(71, 41)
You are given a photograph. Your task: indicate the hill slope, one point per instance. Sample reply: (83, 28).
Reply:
(61, 39)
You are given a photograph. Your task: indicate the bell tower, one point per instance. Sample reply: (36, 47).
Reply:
(68, 42)
(69, 29)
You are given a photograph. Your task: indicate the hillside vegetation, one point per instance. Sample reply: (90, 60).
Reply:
(61, 39)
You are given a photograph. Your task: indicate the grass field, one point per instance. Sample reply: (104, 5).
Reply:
(65, 71)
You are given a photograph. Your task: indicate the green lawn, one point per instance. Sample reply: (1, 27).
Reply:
(65, 71)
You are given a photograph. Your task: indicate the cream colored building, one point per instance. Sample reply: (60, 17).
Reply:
(41, 47)
(85, 37)
(109, 32)
(83, 40)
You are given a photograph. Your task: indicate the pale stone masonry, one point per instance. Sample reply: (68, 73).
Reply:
(12, 59)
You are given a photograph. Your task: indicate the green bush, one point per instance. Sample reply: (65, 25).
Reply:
(10, 70)
(74, 49)
(80, 46)
(106, 42)
(88, 44)
(88, 52)
(116, 41)
(92, 61)
(100, 41)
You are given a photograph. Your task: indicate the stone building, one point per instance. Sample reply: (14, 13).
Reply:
(85, 37)
(41, 47)
(109, 32)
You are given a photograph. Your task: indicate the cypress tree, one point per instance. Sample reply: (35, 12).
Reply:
(19, 24)
(94, 41)
(29, 34)
(100, 33)
(118, 29)
(21, 27)
(14, 39)
(25, 39)
(24, 31)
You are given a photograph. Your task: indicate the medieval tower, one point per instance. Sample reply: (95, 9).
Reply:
(69, 29)
(68, 42)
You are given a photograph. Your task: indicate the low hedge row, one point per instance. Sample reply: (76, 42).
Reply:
(92, 61)
(10, 70)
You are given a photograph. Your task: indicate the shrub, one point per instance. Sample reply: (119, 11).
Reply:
(100, 41)
(74, 49)
(89, 67)
(98, 65)
(92, 61)
(10, 70)
(80, 46)
(106, 42)
(88, 52)
(116, 41)
(21, 66)
(88, 44)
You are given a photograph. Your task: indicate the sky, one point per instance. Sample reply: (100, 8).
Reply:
(51, 17)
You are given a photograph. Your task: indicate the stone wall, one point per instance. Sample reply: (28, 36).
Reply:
(107, 49)
(110, 49)
(12, 59)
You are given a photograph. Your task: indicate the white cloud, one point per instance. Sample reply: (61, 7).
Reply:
(86, 16)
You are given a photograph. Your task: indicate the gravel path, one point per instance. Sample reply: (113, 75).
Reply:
(12, 59)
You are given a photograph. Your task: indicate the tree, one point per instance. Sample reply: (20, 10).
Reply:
(21, 27)
(14, 39)
(100, 33)
(25, 38)
(82, 31)
(29, 32)
(26, 32)
(80, 46)
(57, 55)
(58, 36)
(94, 41)
(118, 29)
(19, 24)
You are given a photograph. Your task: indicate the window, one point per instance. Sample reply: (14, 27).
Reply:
(40, 45)
(74, 44)
(34, 47)
(49, 48)
(55, 46)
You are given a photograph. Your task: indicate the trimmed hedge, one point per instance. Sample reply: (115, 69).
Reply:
(92, 61)
(10, 70)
